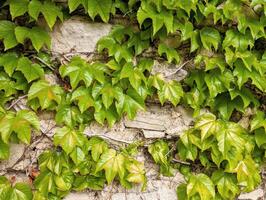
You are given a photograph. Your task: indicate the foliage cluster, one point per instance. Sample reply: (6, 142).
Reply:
(223, 39)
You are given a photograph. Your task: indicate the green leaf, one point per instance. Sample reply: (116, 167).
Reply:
(135, 76)
(164, 17)
(187, 5)
(201, 185)
(97, 146)
(4, 153)
(68, 139)
(112, 163)
(53, 160)
(129, 103)
(9, 61)
(7, 85)
(208, 125)
(225, 106)
(243, 75)
(46, 94)
(171, 91)
(73, 4)
(29, 70)
(77, 70)
(171, 53)
(136, 171)
(21, 191)
(64, 180)
(84, 98)
(20, 123)
(210, 37)
(38, 36)
(159, 151)
(218, 82)
(226, 184)
(238, 40)
(69, 115)
(7, 34)
(260, 137)
(101, 8)
(258, 121)
(18, 7)
(101, 114)
(45, 183)
(248, 175)
(232, 142)
(49, 10)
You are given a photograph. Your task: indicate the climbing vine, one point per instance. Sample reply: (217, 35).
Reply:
(221, 43)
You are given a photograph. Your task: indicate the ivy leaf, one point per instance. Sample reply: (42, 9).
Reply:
(159, 151)
(195, 99)
(18, 8)
(248, 175)
(7, 85)
(68, 139)
(214, 62)
(260, 137)
(38, 36)
(73, 4)
(201, 185)
(97, 146)
(226, 184)
(136, 172)
(102, 114)
(64, 180)
(4, 153)
(49, 10)
(232, 140)
(187, 5)
(77, 155)
(258, 121)
(129, 103)
(134, 75)
(102, 9)
(45, 183)
(20, 123)
(9, 61)
(164, 17)
(84, 98)
(70, 115)
(7, 34)
(246, 96)
(243, 75)
(4, 186)
(109, 93)
(21, 191)
(218, 82)
(46, 94)
(171, 91)
(115, 49)
(171, 53)
(112, 163)
(29, 70)
(210, 37)
(238, 40)
(54, 161)
(226, 106)
(208, 125)
(77, 70)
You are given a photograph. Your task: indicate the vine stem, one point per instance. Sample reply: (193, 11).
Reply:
(180, 161)
(16, 101)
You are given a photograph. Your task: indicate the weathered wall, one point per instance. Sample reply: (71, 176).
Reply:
(78, 36)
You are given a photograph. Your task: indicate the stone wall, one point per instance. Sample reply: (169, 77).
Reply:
(78, 36)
